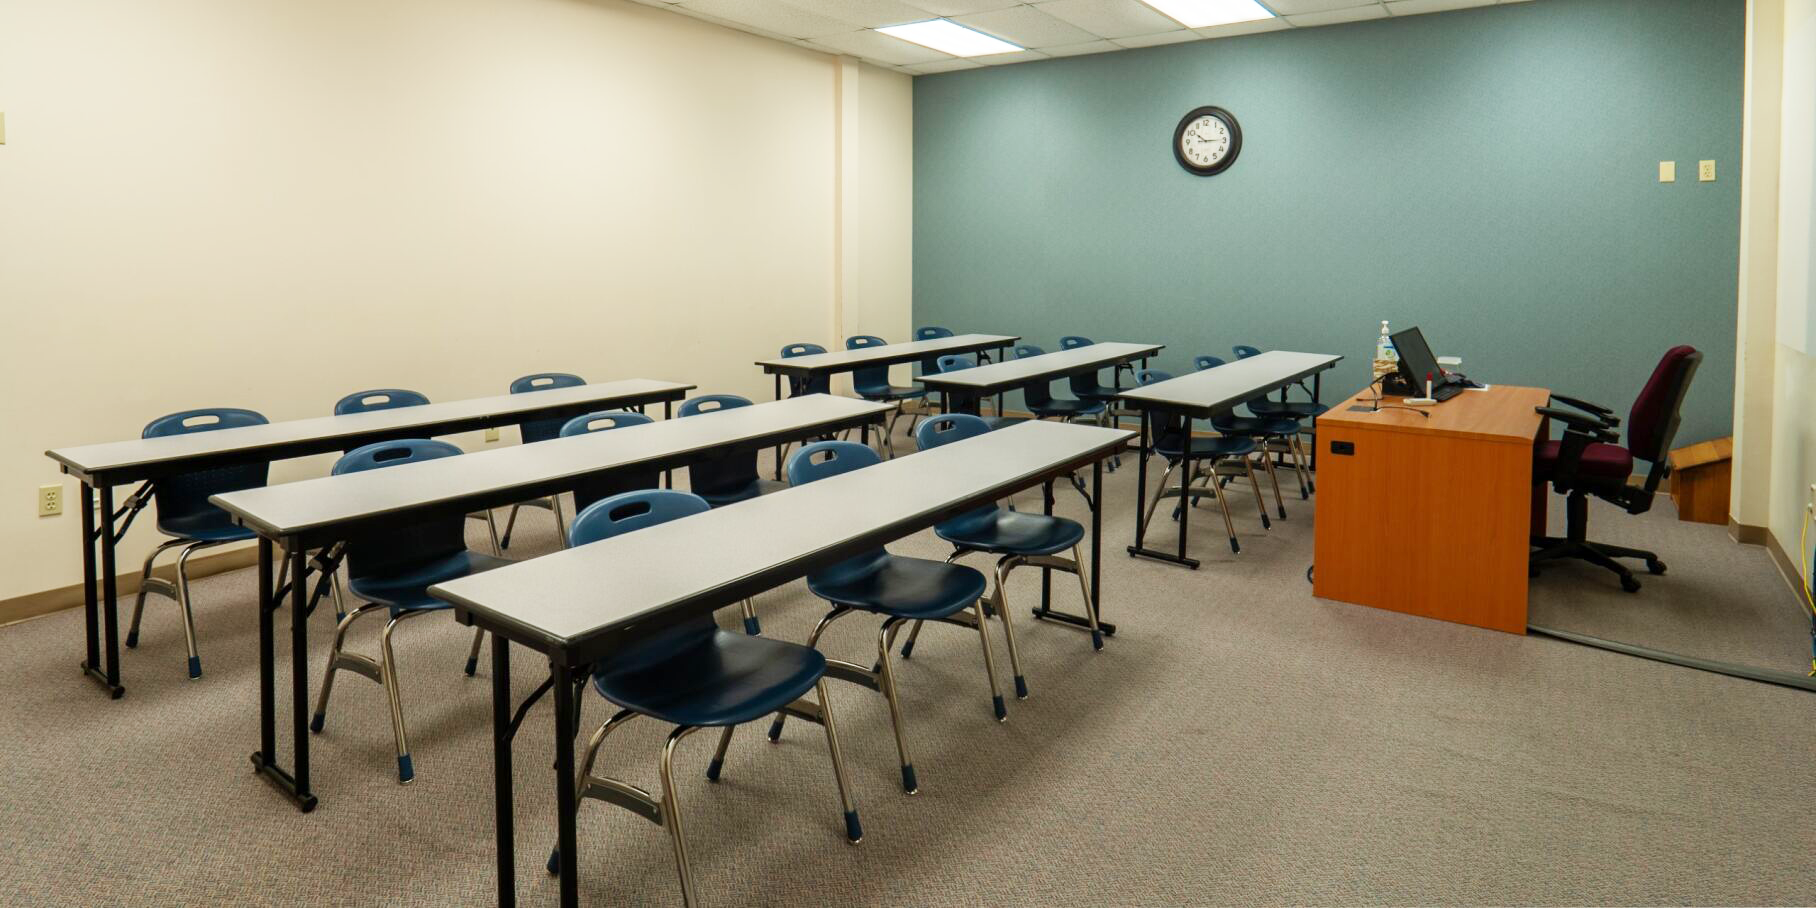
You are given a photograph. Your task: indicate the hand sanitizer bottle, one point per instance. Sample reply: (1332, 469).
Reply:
(1387, 360)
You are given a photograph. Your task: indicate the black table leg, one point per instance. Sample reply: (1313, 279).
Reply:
(105, 674)
(1097, 545)
(296, 786)
(668, 413)
(502, 733)
(1046, 611)
(566, 838)
(267, 753)
(1185, 488)
(1046, 573)
(299, 674)
(1141, 502)
(778, 447)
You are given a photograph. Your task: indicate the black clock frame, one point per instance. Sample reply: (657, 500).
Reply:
(1229, 120)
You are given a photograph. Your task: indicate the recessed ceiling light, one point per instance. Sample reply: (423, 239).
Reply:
(1206, 13)
(949, 37)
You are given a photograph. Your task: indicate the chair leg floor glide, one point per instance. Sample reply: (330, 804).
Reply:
(382, 670)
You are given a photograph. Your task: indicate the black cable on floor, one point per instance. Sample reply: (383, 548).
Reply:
(1762, 675)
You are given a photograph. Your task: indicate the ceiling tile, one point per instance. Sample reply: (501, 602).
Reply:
(1020, 56)
(769, 15)
(1109, 18)
(1295, 7)
(1418, 7)
(1026, 26)
(1075, 50)
(864, 13)
(1172, 37)
(878, 46)
(1244, 28)
(963, 7)
(942, 66)
(1335, 16)
(727, 23)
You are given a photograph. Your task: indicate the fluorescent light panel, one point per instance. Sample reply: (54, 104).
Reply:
(1206, 13)
(947, 36)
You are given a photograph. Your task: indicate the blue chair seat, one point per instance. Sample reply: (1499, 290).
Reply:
(722, 497)
(1221, 446)
(1097, 393)
(1011, 532)
(409, 590)
(210, 525)
(1295, 409)
(1064, 406)
(893, 392)
(905, 587)
(1003, 422)
(714, 679)
(1257, 425)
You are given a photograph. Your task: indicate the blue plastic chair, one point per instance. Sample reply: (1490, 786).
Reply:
(873, 384)
(729, 478)
(535, 430)
(931, 365)
(899, 588)
(816, 384)
(952, 362)
(1262, 406)
(1020, 539)
(393, 571)
(1244, 351)
(1085, 385)
(392, 399)
(1214, 460)
(593, 488)
(693, 675)
(1202, 363)
(185, 515)
(1041, 402)
(1276, 432)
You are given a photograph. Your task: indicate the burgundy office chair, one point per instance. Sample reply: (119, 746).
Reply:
(1587, 461)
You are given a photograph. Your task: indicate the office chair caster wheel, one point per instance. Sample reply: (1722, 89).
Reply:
(1655, 566)
(1629, 584)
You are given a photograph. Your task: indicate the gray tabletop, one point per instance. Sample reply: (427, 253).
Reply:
(1220, 388)
(326, 433)
(1029, 369)
(563, 601)
(847, 360)
(336, 503)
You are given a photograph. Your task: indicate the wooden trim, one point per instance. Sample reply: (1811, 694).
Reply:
(1787, 568)
(33, 605)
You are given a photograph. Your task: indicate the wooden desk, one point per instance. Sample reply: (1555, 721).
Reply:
(1431, 515)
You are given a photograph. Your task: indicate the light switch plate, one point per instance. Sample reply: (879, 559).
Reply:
(1667, 171)
(1705, 171)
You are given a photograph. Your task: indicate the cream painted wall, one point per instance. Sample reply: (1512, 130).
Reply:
(227, 203)
(1794, 393)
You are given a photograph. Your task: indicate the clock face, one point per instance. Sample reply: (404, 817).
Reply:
(1207, 141)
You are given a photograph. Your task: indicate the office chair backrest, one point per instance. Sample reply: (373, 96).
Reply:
(594, 488)
(1206, 362)
(953, 362)
(719, 474)
(187, 494)
(378, 399)
(628, 513)
(871, 379)
(1072, 340)
(1244, 351)
(931, 332)
(812, 384)
(401, 549)
(543, 429)
(825, 459)
(1652, 423)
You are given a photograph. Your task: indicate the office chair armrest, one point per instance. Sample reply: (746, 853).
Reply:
(1575, 422)
(1603, 413)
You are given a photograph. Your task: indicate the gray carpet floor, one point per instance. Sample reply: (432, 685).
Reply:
(1239, 742)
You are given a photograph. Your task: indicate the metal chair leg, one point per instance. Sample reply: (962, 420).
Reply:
(883, 637)
(813, 642)
(586, 770)
(854, 830)
(913, 635)
(983, 633)
(1295, 449)
(147, 583)
(1248, 467)
(1267, 461)
(718, 763)
(334, 664)
(406, 771)
(1004, 565)
(1141, 531)
(751, 625)
(671, 814)
(509, 523)
(561, 535)
(1223, 502)
(195, 658)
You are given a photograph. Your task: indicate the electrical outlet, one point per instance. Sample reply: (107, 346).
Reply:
(1705, 171)
(50, 500)
(491, 435)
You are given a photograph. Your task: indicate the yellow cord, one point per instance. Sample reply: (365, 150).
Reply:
(1803, 572)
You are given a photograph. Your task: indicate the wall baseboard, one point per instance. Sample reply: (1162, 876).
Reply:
(33, 605)
(1787, 568)
(1749, 535)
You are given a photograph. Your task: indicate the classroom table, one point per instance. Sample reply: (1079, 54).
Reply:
(826, 364)
(1201, 395)
(318, 513)
(556, 605)
(962, 389)
(102, 467)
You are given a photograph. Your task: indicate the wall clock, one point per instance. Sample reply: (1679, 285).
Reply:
(1207, 141)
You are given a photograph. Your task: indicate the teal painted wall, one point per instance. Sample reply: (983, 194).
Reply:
(1490, 175)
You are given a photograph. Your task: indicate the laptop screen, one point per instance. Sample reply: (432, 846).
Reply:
(1416, 361)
